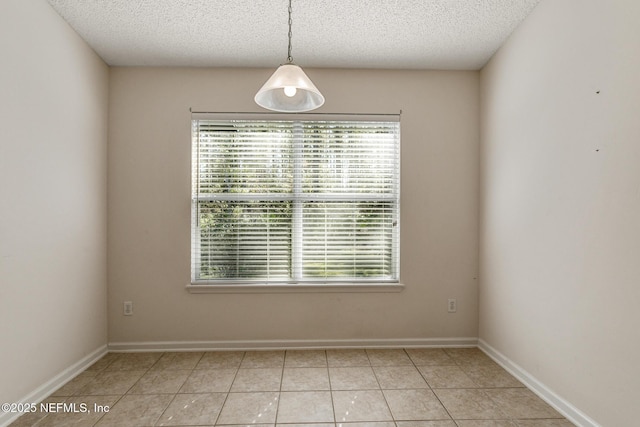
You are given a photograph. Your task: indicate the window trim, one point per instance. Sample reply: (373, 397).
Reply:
(293, 286)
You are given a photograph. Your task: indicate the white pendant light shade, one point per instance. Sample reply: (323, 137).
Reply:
(289, 90)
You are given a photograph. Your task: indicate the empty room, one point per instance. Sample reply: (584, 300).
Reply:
(411, 213)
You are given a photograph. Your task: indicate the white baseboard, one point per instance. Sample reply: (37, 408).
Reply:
(55, 383)
(290, 344)
(569, 411)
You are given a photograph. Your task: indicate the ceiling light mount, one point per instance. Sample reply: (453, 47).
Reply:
(289, 89)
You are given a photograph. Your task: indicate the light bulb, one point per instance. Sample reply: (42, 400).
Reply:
(290, 91)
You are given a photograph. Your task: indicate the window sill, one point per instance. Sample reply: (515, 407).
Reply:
(295, 288)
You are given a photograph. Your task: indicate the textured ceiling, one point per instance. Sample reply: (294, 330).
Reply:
(408, 34)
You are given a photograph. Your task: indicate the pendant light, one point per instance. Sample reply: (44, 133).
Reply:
(289, 89)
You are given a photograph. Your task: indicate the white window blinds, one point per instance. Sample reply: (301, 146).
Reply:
(295, 200)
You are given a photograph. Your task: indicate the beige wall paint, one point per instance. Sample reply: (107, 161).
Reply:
(149, 210)
(53, 140)
(560, 230)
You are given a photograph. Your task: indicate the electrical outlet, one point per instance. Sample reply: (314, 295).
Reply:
(128, 308)
(452, 305)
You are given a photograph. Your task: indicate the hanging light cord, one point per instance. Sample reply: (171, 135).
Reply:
(289, 57)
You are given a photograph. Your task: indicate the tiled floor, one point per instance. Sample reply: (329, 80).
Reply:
(332, 388)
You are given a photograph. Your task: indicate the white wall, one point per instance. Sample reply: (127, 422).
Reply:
(53, 117)
(560, 192)
(149, 210)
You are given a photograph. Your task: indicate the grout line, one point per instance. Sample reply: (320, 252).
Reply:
(431, 388)
(393, 418)
(333, 405)
(284, 361)
(175, 395)
(244, 353)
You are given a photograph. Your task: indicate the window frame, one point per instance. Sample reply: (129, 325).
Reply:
(295, 285)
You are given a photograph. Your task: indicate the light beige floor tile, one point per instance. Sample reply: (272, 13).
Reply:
(249, 408)
(178, 361)
(418, 404)
(438, 423)
(263, 359)
(103, 363)
(356, 378)
(399, 377)
(305, 379)
(475, 389)
(368, 424)
(247, 425)
(470, 356)
(347, 358)
(193, 409)
(136, 410)
(76, 384)
(134, 361)
(521, 403)
(78, 416)
(305, 359)
(29, 419)
(160, 382)
(446, 377)
(360, 405)
(485, 423)
(429, 356)
(388, 357)
(469, 404)
(220, 360)
(305, 407)
(257, 379)
(487, 375)
(543, 423)
(209, 381)
(310, 425)
(111, 383)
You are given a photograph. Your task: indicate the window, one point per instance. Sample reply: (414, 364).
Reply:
(281, 200)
